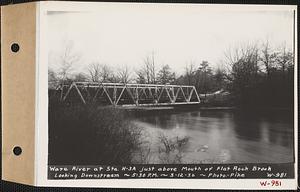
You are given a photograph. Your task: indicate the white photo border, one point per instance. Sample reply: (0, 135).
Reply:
(41, 149)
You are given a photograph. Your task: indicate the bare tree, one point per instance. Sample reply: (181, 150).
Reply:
(265, 58)
(152, 68)
(146, 69)
(232, 56)
(124, 75)
(140, 77)
(68, 59)
(107, 73)
(246, 55)
(268, 58)
(94, 71)
(244, 70)
(149, 68)
(189, 71)
(284, 59)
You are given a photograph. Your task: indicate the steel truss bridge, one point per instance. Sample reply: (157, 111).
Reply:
(126, 94)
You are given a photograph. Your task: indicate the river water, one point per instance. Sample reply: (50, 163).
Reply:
(216, 136)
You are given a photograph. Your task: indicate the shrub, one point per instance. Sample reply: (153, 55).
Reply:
(171, 150)
(89, 135)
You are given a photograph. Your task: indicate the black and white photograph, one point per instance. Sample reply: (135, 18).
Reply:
(171, 84)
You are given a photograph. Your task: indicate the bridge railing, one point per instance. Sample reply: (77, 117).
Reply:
(92, 84)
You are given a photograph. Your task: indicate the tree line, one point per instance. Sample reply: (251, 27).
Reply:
(254, 74)
(149, 73)
(261, 75)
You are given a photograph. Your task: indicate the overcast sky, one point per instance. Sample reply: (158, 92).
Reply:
(176, 36)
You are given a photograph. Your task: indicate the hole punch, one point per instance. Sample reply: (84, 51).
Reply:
(15, 47)
(17, 150)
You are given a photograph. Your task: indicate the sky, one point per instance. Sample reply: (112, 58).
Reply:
(124, 36)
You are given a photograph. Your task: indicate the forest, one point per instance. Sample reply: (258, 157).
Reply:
(255, 75)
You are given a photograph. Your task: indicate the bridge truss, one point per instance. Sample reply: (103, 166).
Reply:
(126, 94)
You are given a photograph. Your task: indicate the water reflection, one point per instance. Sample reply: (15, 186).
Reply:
(233, 136)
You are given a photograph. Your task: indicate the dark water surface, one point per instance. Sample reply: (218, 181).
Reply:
(224, 136)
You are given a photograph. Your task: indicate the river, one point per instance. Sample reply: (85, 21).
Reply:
(216, 136)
